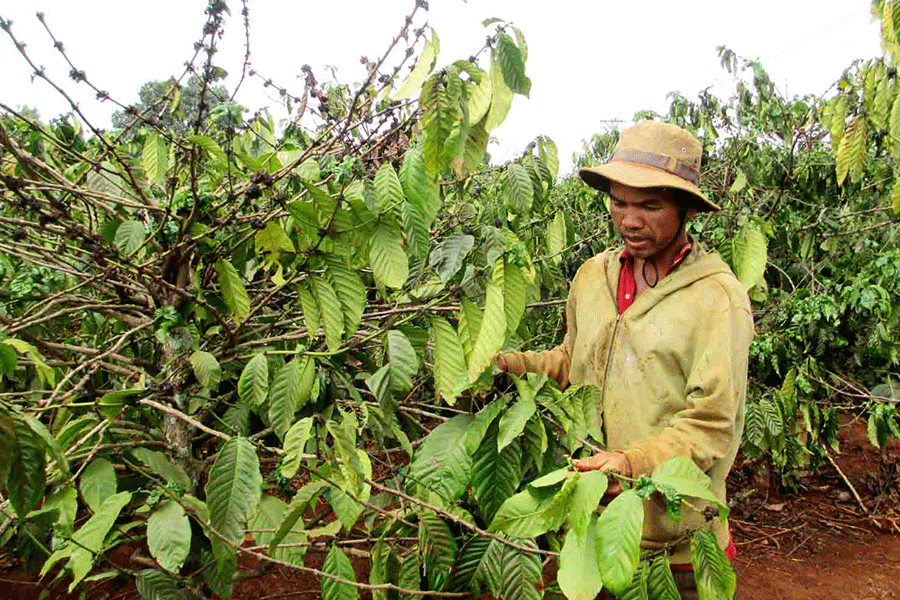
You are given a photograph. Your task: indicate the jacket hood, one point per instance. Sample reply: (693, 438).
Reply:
(699, 264)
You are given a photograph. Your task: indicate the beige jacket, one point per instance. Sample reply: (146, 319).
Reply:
(672, 372)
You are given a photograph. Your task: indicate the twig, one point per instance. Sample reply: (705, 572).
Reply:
(844, 477)
(770, 536)
(457, 520)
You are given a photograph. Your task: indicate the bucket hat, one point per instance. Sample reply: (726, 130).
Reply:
(652, 154)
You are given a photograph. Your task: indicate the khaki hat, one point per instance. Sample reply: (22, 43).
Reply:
(652, 154)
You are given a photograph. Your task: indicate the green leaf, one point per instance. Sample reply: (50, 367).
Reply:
(556, 511)
(857, 135)
(521, 574)
(160, 464)
(350, 291)
(479, 563)
(550, 156)
(88, 541)
(489, 568)
(414, 224)
(253, 385)
(556, 237)
(480, 424)
(388, 259)
(206, 369)
(418, 185)
(660, 582)
(491, 334)
(332, 312)
(512, 64)
(402, 361)
(740, 182)
(447, 258)
(480, 93)
(111, 404)
(352, 467)
(510, 277)
(686, 477)
(522, 515)
(410, 577)
(410, 88)
(210, 145)
(290, 390)
(233, 290)
(8, 359)
(551, 478)
(378, 574)
(294, 443)
(579, 576)
(46, 374)
(749, 255)
(233, 490)
(512, 424)
(219, 575)
(638, 590)
(155, 157)
(130, 236)
(155, 585)
(449, 360)
(772, 417)
(62, 463)
(387, 187)
(437, 122)
(894, 127)
(495, 474)
(27, 478)
(310, 306)
(440, 549)
(97, 483)
(169, 535)
(273, 239)
(442, 462)
(470, 317)
(518, 188)
(712, 571)
(64, 503)
(268, 516)
(301, 501)
(585, 500)
(842, 158)
(587, 417)
(536, 441)
(337, 564)
(618, 540)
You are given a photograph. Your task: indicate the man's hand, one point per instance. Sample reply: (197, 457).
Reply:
(606, 461)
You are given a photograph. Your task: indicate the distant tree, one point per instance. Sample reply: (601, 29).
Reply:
(180, 117)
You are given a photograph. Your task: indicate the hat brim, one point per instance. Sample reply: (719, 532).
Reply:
(642, 176)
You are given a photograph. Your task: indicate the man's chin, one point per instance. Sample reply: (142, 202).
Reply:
(642, 249)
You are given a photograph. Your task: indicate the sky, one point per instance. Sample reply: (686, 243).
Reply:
(590, 62)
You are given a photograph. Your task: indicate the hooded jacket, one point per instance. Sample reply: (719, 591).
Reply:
(671, 372)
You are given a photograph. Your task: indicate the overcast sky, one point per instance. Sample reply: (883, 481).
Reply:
(588, 61)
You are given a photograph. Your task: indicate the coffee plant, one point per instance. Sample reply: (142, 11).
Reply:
(221, 338)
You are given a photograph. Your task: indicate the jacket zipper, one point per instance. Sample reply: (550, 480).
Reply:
(612, 342)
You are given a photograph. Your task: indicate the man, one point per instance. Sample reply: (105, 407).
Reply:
(661, 327)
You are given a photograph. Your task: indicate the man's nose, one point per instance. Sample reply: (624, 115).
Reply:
(630, 220)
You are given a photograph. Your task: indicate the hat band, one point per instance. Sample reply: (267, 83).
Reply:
(667, 163)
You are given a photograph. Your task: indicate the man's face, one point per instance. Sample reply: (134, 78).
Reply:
(647, 218)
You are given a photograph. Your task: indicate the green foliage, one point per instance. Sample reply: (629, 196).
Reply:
(169, 535)
(332, 293)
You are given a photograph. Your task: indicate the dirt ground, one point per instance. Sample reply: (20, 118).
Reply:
(815, 543)
(819, 543)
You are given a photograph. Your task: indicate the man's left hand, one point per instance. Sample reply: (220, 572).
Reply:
(606, 461)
